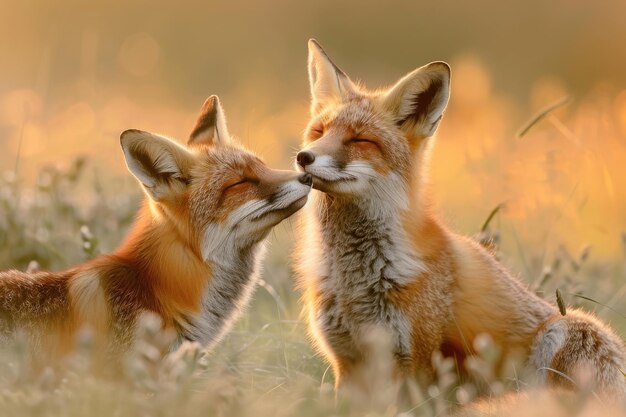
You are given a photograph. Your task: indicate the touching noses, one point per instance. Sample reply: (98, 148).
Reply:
(305, 158)
(306, 179)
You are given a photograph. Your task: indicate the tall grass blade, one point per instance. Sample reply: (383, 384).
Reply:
(542, 114)
(560, 302)
(599, 303)
(495, 211)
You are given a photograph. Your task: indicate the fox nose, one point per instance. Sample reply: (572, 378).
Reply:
(306, 179)
(305, 158)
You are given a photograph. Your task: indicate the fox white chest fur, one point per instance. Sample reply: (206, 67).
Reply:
(360, 257)
(234, 279)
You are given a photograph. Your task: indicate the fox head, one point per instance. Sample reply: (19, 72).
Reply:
(368, 144)
(215, 194)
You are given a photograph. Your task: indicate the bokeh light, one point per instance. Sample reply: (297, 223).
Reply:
(74, 77)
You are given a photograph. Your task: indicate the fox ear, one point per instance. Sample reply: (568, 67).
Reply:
(160, 165)
(211, 127)
(418, 100)
(329, 84)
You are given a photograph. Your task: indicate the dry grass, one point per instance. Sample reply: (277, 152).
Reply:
(265, 367)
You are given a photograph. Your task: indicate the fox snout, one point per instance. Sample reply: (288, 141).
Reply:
(306, 179)
(288, 194)
(305, 158)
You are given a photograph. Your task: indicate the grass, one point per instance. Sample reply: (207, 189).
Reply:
(265, 366)
(541, 115)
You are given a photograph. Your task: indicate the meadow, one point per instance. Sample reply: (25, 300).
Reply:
(529, 160)
(266, 365)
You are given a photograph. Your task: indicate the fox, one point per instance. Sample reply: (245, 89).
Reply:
(373, 253)
(192, 257)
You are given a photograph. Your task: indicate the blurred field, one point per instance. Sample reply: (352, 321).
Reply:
(75, 74)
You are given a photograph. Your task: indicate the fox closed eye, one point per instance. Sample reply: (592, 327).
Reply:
(317, 131)
(362, 140)
(243, 181)
(316, 134)
(359, 141)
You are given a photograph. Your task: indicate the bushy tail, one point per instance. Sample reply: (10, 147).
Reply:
(578, 351)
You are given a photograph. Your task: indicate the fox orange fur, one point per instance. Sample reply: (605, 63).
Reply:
(372, 252)
(192, 257)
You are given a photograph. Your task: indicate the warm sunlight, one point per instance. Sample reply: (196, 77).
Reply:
(534, 133)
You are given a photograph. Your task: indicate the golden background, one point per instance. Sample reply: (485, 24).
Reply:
(74, 74)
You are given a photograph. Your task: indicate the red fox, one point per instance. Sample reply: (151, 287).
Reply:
(192, 256)
(373, 253)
